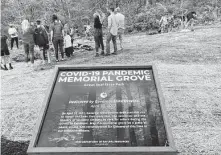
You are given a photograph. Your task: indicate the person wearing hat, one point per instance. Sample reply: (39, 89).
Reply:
(13, 33)
(41, 40)
(120, 21)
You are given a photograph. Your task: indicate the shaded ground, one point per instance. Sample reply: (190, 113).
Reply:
(189, 68)
(9, 147)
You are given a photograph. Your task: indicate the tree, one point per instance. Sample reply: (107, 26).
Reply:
(90, 113)
(119, 109)
(132, 133)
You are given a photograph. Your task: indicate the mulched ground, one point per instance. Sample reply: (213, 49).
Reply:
(9, 147)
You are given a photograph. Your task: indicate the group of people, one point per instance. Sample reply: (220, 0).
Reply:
(115, 28)
(37, 34)
(169, 22)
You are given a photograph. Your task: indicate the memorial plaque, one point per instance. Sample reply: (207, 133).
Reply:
(103, 110)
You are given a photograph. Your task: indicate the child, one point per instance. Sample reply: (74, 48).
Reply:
(68, 44)
(5, 52)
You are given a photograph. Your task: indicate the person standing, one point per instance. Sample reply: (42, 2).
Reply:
(57, 34)
(98, 34)
(68, 44)
(5, 55)
(111, 32)
(121, 25)
(41, 39)
(13, 33)
(164, 23)
(28, 40)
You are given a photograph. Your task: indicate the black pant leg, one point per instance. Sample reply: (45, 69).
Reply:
(55, 42)
(61, 44)
(44, 53)
(16, 40)
(101, 42)
(12, 42)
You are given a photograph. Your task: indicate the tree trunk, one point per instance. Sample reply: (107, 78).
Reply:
(152, 118)
(119, 108)
(132, 133)
(88, 136)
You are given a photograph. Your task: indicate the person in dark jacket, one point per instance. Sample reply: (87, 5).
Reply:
(28, 41)
(98, 34)
(57, 35)
(5, 53)
(41, 40)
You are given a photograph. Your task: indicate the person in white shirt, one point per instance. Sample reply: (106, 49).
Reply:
(68, 44)
(13, 33)
(111, 32)
(164, 23)
(121, 25)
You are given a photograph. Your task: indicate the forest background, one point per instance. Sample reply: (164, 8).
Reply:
(141, 15)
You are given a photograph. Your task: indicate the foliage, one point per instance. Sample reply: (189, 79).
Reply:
(140, 14)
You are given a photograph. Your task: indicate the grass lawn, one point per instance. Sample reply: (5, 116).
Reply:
(189, 68)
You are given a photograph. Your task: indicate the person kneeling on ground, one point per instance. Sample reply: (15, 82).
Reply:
(68, 44)
(5, 53)
(41, 39)
(191, 17)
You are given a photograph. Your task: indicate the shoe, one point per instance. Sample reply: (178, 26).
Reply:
(114, 53)
(10, 66)
(102, 53)
(2, 68)
(62, 59)
(97, 55)
(5, 67)
(57, 60)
